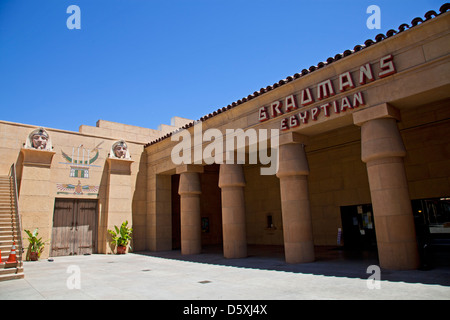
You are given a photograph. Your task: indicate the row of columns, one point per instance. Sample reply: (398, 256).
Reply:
(232, 183)
(382, 151)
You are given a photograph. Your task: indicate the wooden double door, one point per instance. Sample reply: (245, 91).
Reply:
(74, 227)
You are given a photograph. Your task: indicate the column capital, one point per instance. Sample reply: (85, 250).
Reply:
(189, 183)
(231, 175)
(292, 137)
(189, 168)
(292, 160)
(381, 111)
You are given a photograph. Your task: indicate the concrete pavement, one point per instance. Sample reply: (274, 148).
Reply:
(170, 276)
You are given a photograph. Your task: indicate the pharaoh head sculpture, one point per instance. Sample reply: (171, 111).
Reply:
(39, 139)
(119, 150)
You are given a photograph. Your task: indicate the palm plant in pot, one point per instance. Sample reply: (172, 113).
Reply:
(35, 246)
(121, 237)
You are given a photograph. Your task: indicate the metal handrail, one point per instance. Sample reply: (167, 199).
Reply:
(13, 175)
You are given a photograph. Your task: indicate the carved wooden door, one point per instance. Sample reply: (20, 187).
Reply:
(85, 233)
(74, 227)
(63, 224)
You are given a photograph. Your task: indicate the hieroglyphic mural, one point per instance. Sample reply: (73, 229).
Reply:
(80, 160)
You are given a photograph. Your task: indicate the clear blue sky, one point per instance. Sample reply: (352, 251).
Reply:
(141, 62)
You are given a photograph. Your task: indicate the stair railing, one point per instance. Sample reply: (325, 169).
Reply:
(19, 243)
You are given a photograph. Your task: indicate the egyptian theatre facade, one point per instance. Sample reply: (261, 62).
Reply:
(360, 144)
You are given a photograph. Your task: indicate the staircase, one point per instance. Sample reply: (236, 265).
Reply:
(10, 229)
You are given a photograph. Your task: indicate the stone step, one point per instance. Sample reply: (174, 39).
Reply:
(6, 249)
(11, 269)
(7, 210)
(10, 273)
(6, 237)
(7, 217)
(5, 257)
(10, 233)
(4, 213)
(8, 223)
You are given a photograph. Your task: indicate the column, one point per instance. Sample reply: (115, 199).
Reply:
(37, 194)
(118, 201)
(189, 191)
(293, 173)
(382, 150)
(159, 211)
(232, 183)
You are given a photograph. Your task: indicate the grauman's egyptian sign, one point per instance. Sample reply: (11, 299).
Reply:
(323, 91)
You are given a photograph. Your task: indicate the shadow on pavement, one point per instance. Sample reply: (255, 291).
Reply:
(330, 261)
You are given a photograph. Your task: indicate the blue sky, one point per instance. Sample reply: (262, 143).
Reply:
(141, 62)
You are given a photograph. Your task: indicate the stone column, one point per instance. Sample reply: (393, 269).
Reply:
(382, 150)
(293, 173)
(159, 211)
(232, 183)
(36, 195)
(119, 200)
(190, 220)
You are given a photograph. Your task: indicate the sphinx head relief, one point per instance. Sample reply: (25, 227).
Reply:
(39, 139)
(119, 150)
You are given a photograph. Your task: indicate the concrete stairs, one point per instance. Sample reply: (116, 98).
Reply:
(9, 232)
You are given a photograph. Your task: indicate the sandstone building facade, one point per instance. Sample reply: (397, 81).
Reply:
(363, 159)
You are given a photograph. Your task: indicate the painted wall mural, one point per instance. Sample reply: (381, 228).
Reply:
(77, 189)
(80, 161)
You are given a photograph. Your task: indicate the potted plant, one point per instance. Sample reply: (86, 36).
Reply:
(121, 237)
(36, 245)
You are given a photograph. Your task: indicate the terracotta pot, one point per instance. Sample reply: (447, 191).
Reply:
(121, 249)
(34, 256)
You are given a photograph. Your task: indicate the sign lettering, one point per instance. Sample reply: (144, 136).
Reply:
(325, 90)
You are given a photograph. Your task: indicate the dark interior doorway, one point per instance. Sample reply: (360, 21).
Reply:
(432, 221)
(176, 225)
(358, 227)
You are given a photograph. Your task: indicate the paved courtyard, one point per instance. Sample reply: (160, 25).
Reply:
(170, 276)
